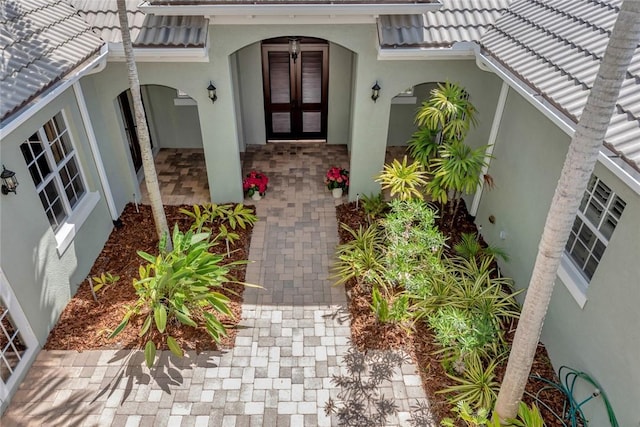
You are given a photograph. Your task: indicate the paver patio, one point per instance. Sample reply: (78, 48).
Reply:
(291, 338)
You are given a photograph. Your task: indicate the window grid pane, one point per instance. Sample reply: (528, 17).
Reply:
(60, 188)
(598, 215)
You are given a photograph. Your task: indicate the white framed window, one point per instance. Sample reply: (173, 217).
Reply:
(53, 165)
(598, 215)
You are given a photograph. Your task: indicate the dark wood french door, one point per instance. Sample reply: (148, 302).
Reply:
(295, 90)
(130, 128)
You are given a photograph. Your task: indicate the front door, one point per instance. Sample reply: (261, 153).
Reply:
(295, 89)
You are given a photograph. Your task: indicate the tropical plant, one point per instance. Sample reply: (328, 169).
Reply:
(456, 171)
(373, 206)
(527, 417)
(104, 280)
(255, 182)
(228, 236)
(150, 176)
(574, 177)
(471, 418)
(469, 248)
(380, 306)
(402, 179)
(413, 242)
(447, 110)
(424, 145)
(362, 258)
(462, 333)
(176, 287)
(210, 214)
(477, 385)
(337, 177)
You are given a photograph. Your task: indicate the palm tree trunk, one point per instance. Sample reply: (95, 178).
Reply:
(577, 169)
(150, 176)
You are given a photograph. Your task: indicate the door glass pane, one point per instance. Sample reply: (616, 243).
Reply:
(12, 347)
(281, 122)
(311, 121)
(279, 77)
(311, 77)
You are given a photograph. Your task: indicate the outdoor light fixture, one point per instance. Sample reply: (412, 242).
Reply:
(9, 181)
(294, 47)
(212, 92)
(375, 92)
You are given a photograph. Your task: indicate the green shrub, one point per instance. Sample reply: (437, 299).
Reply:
(210, 214)
(470, 248)
(404, 180)
(476, 386)
(360, 258)
(104, 281)
(373, 206)
(177, 287)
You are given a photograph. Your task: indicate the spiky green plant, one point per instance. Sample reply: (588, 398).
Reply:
(476, 386)
(403, 179)
(177, 287)
(470, 248)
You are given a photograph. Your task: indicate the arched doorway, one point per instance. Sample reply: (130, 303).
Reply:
(295, 73)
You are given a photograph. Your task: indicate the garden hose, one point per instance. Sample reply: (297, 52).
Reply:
(573, 413)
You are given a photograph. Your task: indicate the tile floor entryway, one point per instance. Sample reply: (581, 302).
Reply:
(291, 339)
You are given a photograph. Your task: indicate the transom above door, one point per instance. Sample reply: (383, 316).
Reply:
(295, 81)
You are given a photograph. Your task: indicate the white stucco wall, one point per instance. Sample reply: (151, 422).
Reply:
(602, 339)
(43, 279)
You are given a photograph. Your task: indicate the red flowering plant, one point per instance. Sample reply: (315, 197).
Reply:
(337, 178)
(255, 182)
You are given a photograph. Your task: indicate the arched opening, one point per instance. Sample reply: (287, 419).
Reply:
(402, 118)
(176, 140)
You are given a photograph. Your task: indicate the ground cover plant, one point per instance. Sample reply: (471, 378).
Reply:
(455, 316)
(87, 324)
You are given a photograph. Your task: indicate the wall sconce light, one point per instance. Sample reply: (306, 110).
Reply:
(375, 92)
(9, 181)
(212, 92)
(294, 47)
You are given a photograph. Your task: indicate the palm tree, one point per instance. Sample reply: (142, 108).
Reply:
(577, 169)
(150, 176)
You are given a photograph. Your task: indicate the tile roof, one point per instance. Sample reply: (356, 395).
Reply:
(146, 30)
(455, 21)
(258, 2)
(40, 42)
(556, 48)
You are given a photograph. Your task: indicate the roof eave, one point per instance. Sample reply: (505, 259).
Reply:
(459, 50)
(291, 9)
(161, 53)
(17, 118)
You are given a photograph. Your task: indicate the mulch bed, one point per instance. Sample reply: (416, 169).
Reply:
(86, 324)
(368, 334)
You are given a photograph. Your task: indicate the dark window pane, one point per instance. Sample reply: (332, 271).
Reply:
(43, 199)
(579, 254)
(572, 239)
(56, 150)
(598, 250)
(78, 187)
(52, 219)
(587, 237)
(51, 192)
(594, 212)
(590, 268)
(58, 211)
(608, 225)
(576, 225)
(26, 152)
(59, 121)
(64, 175)
(66, 143)
(72, 167)
(43, 165)
(35, 174)
(602, 193)
(618, 207)
(592, 183)
(71, 195)
(50, 131)
(583, 202)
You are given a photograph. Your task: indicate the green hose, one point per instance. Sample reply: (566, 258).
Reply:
(573, 413)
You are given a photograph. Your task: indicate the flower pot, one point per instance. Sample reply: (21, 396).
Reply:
(256, 196)
(337, 192)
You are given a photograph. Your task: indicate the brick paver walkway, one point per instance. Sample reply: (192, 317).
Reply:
(292, 335)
